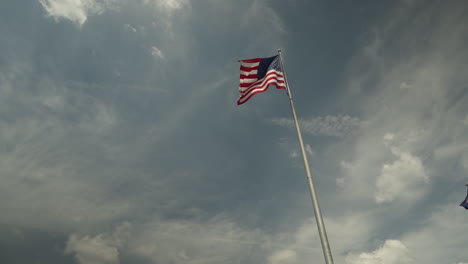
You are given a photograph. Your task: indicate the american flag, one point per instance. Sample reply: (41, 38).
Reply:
(257, 74)
(465, 202)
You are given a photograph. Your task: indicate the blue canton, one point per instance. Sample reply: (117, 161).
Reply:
(266, 64)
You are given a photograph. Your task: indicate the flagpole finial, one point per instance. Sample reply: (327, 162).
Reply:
(279, 50)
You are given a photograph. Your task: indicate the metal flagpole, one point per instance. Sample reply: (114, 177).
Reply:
(318, 216)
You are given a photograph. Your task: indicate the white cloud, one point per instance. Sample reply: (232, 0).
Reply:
(424, 117)
(291, 146)
(219, 240)
(100, 249)
(211, 241)
(405, 85)
(388, 138)
(437, 233)
(261, 9)
(414, 93)
(338, 126)
(294, 154)
(156, 52)
(450, 151)
(46, 182)
(402, 179)
(285, 256)
(92, 250)
(169, 6)
(345, 233)
(166, 10)
(76, 11)
(340, 181)
(443, 233)
(392, 252)
(412, 90)
(309, 150)
(130, 27)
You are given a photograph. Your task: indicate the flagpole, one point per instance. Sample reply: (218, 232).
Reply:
(318, 216)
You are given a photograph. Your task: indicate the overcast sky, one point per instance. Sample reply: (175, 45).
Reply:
(121, 140)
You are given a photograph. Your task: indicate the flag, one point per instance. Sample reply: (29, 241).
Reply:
(256, 75)
(465, 202)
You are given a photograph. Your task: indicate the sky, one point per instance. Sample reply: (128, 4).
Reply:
(121, 140)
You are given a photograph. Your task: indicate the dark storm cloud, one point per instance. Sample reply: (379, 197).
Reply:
(120, 140)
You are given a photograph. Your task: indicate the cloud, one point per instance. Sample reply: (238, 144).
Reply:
(405, 85)
(402, 179)
(80, 156)
(76, 11)
(100, 249)
(130, 28)
(337, 126)
(218, 239)
(442, 233)
(450, 150)
(166, 11)
(44, 174)
(309, 150)
(410, 83)
(291, 146)
(261, 12)
(155, 52)
(95, 250)
(169, 6)
(344, 234)
(411, 90)
(285, 256)
(392, 252)
(215, 240)
(412, 94)
(435, 232)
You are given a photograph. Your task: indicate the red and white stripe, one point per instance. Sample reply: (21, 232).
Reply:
(249, 85)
